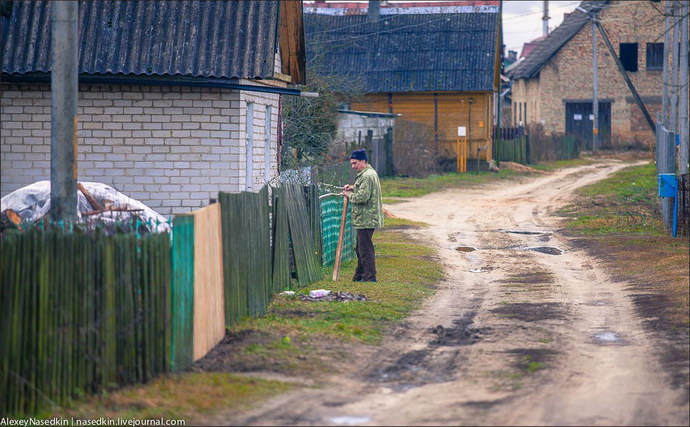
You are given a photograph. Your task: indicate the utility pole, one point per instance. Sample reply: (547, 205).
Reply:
(595, 84)
(683, 87)
(545, 19)
(667, 44)
(63, 89)
(675, 72)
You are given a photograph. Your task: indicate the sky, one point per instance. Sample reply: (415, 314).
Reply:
(522, 20)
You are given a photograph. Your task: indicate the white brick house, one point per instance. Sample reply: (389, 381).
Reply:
(170, 146)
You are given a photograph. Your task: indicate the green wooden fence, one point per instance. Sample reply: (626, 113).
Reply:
(182, 293)
(81, 311)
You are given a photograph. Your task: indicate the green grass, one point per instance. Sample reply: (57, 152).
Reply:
(176, 396)
(560, 164)
(415, 187)
(619, 220)
(624, 203)
(399, 223)
(407, 273)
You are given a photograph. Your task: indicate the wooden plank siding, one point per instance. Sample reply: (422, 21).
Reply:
(447, 110)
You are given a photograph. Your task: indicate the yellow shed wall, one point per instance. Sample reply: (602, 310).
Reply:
(454, 109)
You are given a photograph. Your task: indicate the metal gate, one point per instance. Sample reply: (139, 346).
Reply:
(579, 120)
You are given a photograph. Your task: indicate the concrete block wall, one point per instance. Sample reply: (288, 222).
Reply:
(568, 75)
(349, 126)
(173, 148)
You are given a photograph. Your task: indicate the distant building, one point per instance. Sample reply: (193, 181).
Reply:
(528, 47)
(177, 99)
(552, 86)
(435, 63)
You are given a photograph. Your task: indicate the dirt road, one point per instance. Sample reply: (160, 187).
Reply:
(514, 336)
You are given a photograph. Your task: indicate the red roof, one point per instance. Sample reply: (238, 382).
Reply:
(364, 5)
(529, 46)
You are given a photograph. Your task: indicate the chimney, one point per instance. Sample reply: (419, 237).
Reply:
(512, 55)
(374, 10)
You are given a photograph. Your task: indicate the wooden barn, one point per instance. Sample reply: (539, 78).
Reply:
(435, 65)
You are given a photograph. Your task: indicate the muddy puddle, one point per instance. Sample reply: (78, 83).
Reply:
(462, 332)
(525, 232)
(549, 250)
(350, 420)
(464, 248)
(608, 338)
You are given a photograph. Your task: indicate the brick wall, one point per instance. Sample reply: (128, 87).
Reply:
(172, 148)
(568, 75)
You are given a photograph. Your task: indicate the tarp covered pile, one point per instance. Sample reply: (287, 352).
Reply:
(97, 203)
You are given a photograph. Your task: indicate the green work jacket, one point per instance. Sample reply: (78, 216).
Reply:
(367, 207)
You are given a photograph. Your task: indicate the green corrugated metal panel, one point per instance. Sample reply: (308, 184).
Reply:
(305, 253)
(331, 214)
(182, 294)
(73, 314)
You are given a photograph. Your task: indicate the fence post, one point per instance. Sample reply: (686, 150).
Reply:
(665, 164)
(527, 151)
(388, 139)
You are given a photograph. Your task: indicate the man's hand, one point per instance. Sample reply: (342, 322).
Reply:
(347, 190)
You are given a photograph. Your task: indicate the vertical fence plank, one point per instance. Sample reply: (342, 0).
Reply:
(182, 293)
(209, 308)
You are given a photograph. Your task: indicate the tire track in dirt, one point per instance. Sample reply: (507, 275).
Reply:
(512, 336)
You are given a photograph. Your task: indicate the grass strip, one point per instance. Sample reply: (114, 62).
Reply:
(185, 396)
(407, 273)
(415, 187)
(619, 221)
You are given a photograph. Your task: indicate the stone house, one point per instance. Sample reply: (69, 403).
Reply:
(435, 63)
(553, 85)
(177, 99)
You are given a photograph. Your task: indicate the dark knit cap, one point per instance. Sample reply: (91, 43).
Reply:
(360, 155)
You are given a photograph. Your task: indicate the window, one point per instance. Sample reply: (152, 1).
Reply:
(267, 143)
(628, 56)
(525, 113)
(249, 130)
(655, 56)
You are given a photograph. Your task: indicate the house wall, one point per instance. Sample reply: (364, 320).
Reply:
(352, 128)
(454, 109)
(173, 148)
(568, 75)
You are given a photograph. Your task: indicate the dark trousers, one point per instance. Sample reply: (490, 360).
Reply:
(366, 258)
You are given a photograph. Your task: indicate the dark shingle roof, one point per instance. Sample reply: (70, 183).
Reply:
(223, 39)
(407, 52)
(548, 47)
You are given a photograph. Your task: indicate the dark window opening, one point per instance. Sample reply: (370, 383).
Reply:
(525, 114)
(628, 56)
(655, 56)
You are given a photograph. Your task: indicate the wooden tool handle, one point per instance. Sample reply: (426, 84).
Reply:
(341, 237)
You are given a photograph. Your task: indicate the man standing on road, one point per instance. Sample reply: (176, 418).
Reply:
(367, 214)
